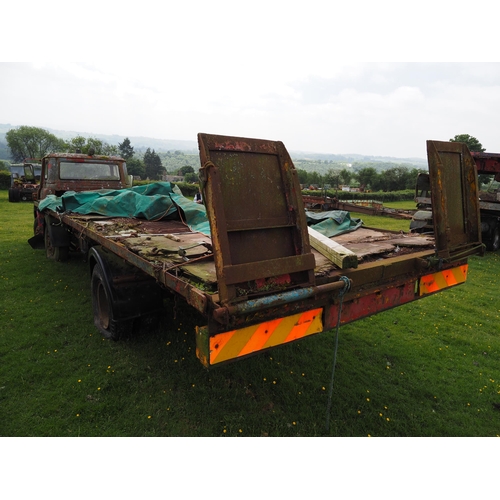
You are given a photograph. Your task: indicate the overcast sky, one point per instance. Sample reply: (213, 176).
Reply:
(269, 70)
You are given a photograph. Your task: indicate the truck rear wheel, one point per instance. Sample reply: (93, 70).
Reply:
(102, 303)
(59, 254)
(14, 195)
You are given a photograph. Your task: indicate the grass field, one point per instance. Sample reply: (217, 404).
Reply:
(430, 368)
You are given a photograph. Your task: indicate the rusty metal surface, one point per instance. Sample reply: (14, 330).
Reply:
(453, 176)
(487, 163)
(256, 213)
(163, 226)
(53, 184)
(368, 279)
(368, 207)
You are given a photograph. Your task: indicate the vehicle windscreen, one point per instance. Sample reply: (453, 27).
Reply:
(89, 171)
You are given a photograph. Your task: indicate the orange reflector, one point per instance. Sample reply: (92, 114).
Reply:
(236, 343)
(443, 279)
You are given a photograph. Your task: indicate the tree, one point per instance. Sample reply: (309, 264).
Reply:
(32, 142)
(368, 177)
(152, 163)
(136, 167)
(398, 178)
(126, 149)
(332, 177)
(484, 180)
(84, 145)
(316, 179)
(303, 176)
(186, 169)
(191, 177)
(346, 176)
(472, 143)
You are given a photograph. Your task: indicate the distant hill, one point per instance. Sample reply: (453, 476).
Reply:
(304, 160)
(139, 143)
(355, 158)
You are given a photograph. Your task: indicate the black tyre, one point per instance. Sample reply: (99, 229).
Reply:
(14, 195)
(49, 249)
(105, 321)
(59, 254)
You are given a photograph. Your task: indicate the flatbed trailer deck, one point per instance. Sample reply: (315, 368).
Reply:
(257, 279)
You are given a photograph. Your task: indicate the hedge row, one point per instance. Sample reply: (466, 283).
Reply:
(406, 195)
(190, 190)
(4, 179)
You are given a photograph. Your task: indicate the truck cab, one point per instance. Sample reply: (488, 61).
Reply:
(63, 172)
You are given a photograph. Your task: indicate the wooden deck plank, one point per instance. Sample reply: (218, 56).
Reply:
(335, 252)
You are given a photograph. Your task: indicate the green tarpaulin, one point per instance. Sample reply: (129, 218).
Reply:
(151, 202)
(332, 223)
(160, 200)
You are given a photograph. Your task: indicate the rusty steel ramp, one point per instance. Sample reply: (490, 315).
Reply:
(257, 219)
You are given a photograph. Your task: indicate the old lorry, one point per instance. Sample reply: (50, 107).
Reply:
(246, 260)
(487, 166)
(24, 180)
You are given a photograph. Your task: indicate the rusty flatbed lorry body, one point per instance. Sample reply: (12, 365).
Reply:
(368, 207)
(256, 273)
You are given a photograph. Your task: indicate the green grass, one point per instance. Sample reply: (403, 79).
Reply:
(387, 222)
(384, 222)
(401, 205)
(430, 368)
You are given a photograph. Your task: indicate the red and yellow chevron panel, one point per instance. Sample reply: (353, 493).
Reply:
(248, 340)
(442, 279)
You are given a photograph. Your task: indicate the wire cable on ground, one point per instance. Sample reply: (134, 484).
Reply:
(347, 287)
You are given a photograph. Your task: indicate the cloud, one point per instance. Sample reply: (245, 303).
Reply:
(388, 109)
